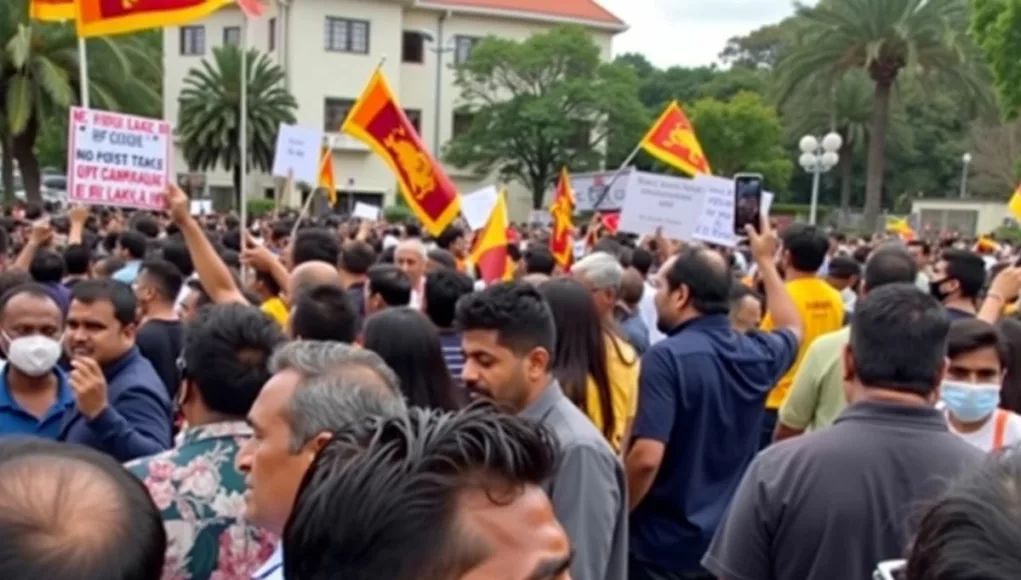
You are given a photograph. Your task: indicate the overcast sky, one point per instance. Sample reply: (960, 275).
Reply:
(689, 32)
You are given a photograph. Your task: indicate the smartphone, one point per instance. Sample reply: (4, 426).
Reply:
(747, 201)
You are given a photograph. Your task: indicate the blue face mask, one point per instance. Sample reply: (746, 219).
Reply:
(970, 402)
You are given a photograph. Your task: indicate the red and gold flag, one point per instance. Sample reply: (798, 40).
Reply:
(901, 227)
(53, 10)
(561, 244)
(672, 140)
(490, 252)
(378, 121)
(109, 17)
(326, 180)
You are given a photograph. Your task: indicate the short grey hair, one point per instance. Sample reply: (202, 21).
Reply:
(340, 385)
(601, 270)
(414, 244)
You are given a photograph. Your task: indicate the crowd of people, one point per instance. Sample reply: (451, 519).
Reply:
(191, 397)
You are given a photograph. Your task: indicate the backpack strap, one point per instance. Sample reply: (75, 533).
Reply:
(999, 428)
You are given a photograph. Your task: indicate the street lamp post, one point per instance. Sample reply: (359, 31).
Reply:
(439, 50)
(818, 158)
(966, 160)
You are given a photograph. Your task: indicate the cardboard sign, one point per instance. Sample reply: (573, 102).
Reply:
(297, 151)
(115, 159)
(661, 201)
(716, 223)
(366, 211)
(476, 207)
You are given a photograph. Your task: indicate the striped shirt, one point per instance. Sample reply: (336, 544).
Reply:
(452, 355)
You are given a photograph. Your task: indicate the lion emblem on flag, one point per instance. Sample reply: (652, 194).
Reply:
(415, 163)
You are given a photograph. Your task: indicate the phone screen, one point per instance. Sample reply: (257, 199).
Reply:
(747, 201)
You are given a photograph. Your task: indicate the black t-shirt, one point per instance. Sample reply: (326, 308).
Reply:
(160, 341)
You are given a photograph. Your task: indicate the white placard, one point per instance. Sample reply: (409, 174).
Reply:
(298, 151)
(661, 201)
(589, 187)
(201, 206)
(477, 206)
(365, 211)
(716, 222)
(115, 159)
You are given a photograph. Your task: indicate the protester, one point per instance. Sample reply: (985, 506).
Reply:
(34, 392)
(387, 287)
(443, 289)
(131, 247)
(70, 513)
(410, 256)
(323, 312)
(160, 331)
(745, 308)
(356, 257)
(801, 500)
(957, 279)
(508, 338)
(700, 407)
(121, 405)
(627, 314)
(457, 495)
(196, 485)
(316, 388)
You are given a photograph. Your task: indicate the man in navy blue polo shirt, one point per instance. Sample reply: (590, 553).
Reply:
(702, 392)
(34, 394)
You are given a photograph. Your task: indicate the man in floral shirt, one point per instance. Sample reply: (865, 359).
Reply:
(195, 485)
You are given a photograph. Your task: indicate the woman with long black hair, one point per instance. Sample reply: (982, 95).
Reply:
(410, 344)
(580, 359)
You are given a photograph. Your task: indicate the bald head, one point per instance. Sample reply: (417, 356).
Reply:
(311, 274)
(70, 512)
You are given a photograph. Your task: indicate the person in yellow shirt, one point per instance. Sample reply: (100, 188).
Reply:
(268, 291)
(820, 306)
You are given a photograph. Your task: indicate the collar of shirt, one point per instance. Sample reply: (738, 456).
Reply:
(64, 397)
(541, 407)
(704, 322)
(214, 431)
(924, 417)
(111, 369)
(272, 567)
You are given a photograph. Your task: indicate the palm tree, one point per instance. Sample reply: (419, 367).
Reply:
(209, 121)
(39, 78)
(885, 39)
(844, 107)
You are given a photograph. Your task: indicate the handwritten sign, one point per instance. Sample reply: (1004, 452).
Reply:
(366, 211)
(297, 151)
(716, 222)
(661, 201)
(115, 159)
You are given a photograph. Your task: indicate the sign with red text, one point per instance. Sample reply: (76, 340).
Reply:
(115, 159)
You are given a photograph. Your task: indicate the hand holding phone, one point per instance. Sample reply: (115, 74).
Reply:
(747, 201)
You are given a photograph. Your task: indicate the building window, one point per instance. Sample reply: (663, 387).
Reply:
(344, 35)
(334, 113)
(193, 40)
(415, 116)
(231, 35)
(462, 123)
(413, 48)
(463, 47)
(272, 42)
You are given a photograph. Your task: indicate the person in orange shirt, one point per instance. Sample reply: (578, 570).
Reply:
(453, 240)
(820, 306)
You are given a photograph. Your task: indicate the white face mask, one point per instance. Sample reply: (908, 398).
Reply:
(35, 355)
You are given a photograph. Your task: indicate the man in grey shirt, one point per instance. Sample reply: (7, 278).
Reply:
(508, 334)
(832, 504)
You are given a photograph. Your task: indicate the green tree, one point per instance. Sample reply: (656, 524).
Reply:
(996, 26)
(541, 104)
(885, 39)
(743, 134)
(209, 119)
(39, 79)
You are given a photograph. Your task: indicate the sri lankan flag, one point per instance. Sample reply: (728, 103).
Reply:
(561, 244)
(672, 140)
(326, 180)
(901, 227)
(1014, 205)
(378, 121)
(52, 10)
(109, 17)
(490, 252)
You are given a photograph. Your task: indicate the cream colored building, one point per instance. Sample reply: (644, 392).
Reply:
(968, 216)
(329, 49)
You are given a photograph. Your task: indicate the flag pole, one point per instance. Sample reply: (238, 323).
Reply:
(615, 176)
(311, 196)
(83, 72)
(243, 123)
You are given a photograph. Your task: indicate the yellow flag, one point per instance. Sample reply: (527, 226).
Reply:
(326, 180)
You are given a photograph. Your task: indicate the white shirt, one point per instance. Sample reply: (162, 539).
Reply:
(647, 310)
(983, 437)
(272, 569)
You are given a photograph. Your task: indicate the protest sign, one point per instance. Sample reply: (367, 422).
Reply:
(589, 187)
(297, 153)
(661, 201)
(115, 159)
(477, 206)
(365, 211)
(715, 224)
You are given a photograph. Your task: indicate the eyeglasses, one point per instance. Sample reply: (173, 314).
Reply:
(890, 570)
